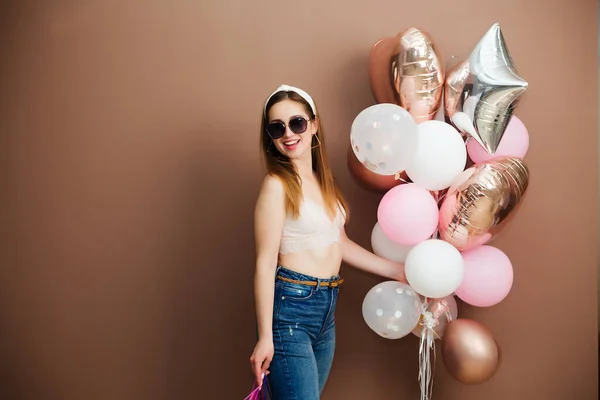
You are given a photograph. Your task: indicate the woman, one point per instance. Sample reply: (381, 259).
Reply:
(300, 245)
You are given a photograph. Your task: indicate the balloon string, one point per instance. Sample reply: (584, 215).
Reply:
(440, 198)
(399, 178)
(436, 195)
(426, 371)
(448, 315)
(427, 348)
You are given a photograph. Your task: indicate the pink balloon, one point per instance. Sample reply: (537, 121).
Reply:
(408, 214)
(488, 276)
(514, 143)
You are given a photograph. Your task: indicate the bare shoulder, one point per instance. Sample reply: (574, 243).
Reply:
(272, 194)
(272, 186)
(269, 216)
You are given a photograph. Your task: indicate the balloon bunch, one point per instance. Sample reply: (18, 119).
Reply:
(444, 199)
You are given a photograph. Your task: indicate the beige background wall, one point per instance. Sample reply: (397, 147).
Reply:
(129, 170)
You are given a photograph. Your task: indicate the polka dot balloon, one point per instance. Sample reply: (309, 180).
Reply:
(392, 309)
(384, 138)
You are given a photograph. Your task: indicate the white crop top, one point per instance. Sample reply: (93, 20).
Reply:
(312, 230)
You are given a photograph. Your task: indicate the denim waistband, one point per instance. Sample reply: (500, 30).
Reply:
(288, 273)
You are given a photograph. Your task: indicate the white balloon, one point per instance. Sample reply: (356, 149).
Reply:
(384, 138)
(434, 268)
(392, 309)
(440, 157)
(384, 247)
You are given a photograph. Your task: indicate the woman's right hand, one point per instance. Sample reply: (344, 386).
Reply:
(261, 358)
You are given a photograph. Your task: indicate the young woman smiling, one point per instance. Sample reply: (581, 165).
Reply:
(300, 245)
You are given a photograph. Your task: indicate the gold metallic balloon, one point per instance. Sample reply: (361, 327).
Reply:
(368, 179)
(479, 203)
(419, 79)
(469, 351)
(407, 71)
(482, 92)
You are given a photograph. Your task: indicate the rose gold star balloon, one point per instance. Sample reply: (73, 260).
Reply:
(482, 92)
(479, 203)
(406, 70)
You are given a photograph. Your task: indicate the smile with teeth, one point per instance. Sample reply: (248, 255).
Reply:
(291, 142)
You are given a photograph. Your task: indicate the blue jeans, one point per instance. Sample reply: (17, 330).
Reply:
(303, 336)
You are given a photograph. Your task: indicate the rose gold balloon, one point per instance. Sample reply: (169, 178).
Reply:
(439, 313)
(369, 180)
(407, 71)
(419, 79)
(381, 65)
(478, 205)
(469, 351)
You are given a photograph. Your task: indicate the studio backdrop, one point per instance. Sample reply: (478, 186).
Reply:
(129, 168)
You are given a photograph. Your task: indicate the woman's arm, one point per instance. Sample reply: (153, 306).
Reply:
(269, 217)
(360, 258)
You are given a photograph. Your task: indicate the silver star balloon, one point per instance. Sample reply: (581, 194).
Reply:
(482, 92)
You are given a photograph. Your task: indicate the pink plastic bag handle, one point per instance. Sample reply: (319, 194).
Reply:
(257, 391)
(254, 393)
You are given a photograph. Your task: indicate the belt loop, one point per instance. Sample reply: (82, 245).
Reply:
(277, 270)
(318, 284)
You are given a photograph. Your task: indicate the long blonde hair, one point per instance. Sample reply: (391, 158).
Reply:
(280, 165)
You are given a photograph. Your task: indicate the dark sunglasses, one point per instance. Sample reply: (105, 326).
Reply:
(276, 129)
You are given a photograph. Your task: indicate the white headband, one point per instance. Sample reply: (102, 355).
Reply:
(301, 92)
